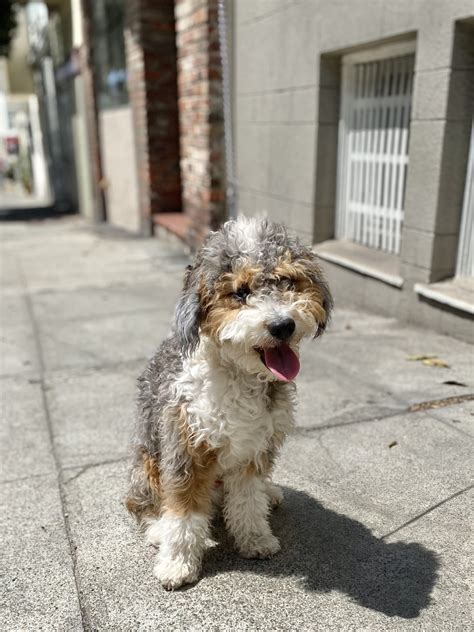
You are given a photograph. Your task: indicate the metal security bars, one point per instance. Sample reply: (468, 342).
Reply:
(373, 146)
(465, 263)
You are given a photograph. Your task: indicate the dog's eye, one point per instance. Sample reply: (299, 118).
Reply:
(285, 283)
(242, 293)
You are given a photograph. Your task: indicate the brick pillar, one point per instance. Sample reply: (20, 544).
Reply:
(152, 84)
(200, 111)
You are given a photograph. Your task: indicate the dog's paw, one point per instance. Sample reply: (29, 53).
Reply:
(260, 547)
(175, 573)
(275, 494)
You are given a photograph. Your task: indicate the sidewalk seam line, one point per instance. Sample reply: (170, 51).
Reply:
(39, 351)
(19, 479)
(306, 430)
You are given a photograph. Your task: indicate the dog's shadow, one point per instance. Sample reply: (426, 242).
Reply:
(330, 551)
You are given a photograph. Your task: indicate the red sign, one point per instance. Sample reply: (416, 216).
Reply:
(13, 145)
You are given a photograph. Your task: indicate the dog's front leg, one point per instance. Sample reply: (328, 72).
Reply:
(246, 508)
(182, 531)
(182, 541)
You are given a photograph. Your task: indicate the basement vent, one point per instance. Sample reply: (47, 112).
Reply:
(373, 145)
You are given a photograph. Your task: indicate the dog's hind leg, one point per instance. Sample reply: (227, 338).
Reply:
(144, 499)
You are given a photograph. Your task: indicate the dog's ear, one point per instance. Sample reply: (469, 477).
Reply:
(313, 271)
(327, 304)
(188, 312)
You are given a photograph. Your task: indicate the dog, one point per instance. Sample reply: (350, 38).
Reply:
(217, 400)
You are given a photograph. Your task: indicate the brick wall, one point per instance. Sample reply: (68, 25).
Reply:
(152, 84)
(200, 112)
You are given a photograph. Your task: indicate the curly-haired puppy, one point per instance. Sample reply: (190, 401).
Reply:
(217, 399)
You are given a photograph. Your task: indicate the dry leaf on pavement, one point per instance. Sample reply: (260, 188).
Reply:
(429, 360)
(436, 362)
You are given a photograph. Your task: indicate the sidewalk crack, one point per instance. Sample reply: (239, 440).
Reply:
(89, 466)
(427, 511)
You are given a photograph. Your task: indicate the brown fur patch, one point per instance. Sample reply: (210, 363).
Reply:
(133, 507)
(152, 473)
(305, 288)
(221, 306)
(192, 491)
(149, 503)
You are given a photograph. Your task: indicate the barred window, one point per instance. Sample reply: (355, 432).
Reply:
(373, 145)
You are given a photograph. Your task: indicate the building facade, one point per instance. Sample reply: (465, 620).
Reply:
(353, 125)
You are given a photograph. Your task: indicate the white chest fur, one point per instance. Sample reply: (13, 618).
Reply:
(231, 409)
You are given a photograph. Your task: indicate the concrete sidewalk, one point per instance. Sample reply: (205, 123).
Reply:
(374, 526)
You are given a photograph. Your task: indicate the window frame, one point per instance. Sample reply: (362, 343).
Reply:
(348, 64)
(465, 255)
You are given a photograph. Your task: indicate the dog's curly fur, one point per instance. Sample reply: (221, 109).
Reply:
(211, 414)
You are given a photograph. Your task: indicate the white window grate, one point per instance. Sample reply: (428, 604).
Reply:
(373, 146)
(465, 263)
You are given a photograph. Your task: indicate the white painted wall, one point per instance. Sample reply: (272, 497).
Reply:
(119, 166)
(82, 153)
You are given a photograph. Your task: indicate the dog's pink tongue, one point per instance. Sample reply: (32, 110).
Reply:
(282, 362)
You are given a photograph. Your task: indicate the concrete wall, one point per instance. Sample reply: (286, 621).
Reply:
(286, 104)
(119, 165)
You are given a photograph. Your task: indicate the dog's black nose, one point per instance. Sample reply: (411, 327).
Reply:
(282, 329)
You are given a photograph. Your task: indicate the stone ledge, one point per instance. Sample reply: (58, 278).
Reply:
(457, 293)
(366, 261)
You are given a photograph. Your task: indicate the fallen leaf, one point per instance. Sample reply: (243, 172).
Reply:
(454, 383)
(393, 444)
(437, 362)
(429, 360)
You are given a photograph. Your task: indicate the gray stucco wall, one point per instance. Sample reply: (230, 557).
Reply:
(286, 99)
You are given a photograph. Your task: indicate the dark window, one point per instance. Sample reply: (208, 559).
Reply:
(109, 53)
